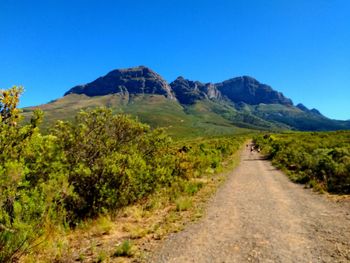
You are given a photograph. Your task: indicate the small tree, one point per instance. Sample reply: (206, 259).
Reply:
(9, 113)
(23, 207)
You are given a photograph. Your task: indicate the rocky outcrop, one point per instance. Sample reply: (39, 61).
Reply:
(187, 91)
(305, 109)
(302, 107)
(316, 112)
(138, 80)
(142, 80)
(249, 90)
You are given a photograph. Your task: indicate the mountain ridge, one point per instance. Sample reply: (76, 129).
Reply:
(141, 79)
(190, 106)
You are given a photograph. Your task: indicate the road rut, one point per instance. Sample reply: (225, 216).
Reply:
(258, 215)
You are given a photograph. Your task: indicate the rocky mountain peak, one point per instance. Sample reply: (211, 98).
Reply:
(315, 111)
(248, 79)
(143, 80)
(305, 109)
(249, 90)
(137, 80)
(302, 107)
(188, 91)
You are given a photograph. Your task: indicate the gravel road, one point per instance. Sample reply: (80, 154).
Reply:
(258, 215)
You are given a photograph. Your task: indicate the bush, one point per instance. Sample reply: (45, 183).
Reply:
(27, 199)
(94, 165)
(112, 161)
(322, 158)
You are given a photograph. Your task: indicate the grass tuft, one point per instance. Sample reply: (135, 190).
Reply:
(103, 226)
(124, 249)
(183, 203)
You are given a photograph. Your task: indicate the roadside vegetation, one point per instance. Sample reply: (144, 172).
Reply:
(318, 159)
(90, 172)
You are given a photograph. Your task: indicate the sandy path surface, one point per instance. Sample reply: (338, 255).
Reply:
(258, 215)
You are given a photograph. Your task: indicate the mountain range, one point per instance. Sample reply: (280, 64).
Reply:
(190, 107)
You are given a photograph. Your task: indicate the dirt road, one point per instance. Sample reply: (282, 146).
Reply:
(258, 215)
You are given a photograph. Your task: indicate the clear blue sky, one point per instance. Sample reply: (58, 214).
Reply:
(301, 48)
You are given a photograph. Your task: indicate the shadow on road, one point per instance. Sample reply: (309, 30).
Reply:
(256, 159)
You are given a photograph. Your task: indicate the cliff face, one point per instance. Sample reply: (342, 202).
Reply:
(142, 80)
(241, 89)
(136, 80)
(187, 91)
(249, 90)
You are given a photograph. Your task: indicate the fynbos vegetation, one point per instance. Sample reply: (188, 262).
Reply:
(321, 160)
(95, 165)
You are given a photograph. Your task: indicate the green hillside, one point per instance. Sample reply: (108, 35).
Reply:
(298, 119)
(200, 119)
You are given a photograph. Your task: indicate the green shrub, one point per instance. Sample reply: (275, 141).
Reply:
(94, 165)
(29, 198)
(112, 161)
(193, 187)
(125, 249)
(183, 203)
(322, 158)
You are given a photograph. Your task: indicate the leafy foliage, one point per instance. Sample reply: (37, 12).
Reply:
(111, 161)
(322, 157)
(96, 164)
(26, 202)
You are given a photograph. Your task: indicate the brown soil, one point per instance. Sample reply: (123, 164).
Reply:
(258, 215)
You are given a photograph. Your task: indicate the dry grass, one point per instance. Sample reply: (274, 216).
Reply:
(143, 225)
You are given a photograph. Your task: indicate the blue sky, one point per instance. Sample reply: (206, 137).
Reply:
(301, 48)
